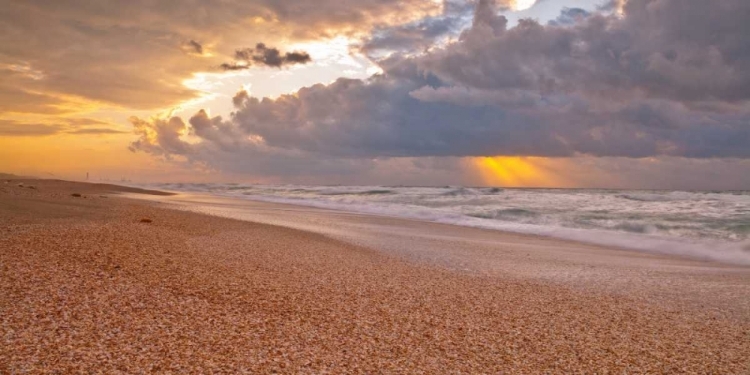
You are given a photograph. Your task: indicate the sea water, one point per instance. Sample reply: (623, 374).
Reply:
(705, 224)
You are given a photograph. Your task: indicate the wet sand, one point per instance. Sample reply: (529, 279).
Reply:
(85, 285)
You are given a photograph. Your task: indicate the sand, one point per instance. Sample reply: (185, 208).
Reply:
(86, 286)
(673, 282)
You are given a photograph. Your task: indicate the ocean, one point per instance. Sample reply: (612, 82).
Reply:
(712, 225)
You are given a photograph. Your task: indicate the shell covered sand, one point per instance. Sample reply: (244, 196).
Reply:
(85, 286)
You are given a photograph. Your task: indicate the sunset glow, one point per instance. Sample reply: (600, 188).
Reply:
(523, 4)
(513, 171)
(403, 186)
(384, 92)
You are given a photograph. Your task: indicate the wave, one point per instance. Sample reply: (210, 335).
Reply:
(706, 225)
(363, 193)
(510, 214)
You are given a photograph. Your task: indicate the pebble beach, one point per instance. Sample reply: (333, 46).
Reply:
(100, 283)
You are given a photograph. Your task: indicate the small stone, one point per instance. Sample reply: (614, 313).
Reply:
(20, 185)
(146, 221)
(76, 195)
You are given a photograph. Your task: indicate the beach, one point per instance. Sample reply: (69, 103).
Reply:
(105, 282)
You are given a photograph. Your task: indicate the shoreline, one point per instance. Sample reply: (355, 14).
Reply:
(684, 282)
(719, 259)
(725, 252)
(87, 285)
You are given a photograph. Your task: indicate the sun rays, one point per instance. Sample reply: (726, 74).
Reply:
(515, 171)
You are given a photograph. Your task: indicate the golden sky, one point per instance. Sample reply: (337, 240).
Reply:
(351, 92)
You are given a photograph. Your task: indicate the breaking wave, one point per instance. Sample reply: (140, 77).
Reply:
(709, 225)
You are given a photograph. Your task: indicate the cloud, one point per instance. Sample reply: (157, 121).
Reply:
(123, 53)
(625, 87)
(228, 150)
(429, 32)
(192, 47)
(262, 55)
(16, 129)
(83, 121)
(84, 126)
(398, 115)
(421, 34)
(160, 137)
(570, 16)
(97, 131)
(329, 18)
(664, 49)
(240, 97)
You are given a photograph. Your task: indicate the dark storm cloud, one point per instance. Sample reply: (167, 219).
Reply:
(385, 117)
(226, 148)
(265, 56)
(686, 50)
(670, 78)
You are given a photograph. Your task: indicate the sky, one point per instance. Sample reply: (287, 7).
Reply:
(651, 94)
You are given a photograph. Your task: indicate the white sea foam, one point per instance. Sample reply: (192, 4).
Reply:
(707, 225)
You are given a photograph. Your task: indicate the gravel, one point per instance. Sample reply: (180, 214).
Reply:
(86, 287)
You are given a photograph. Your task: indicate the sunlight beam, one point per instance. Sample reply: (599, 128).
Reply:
(513, 171)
